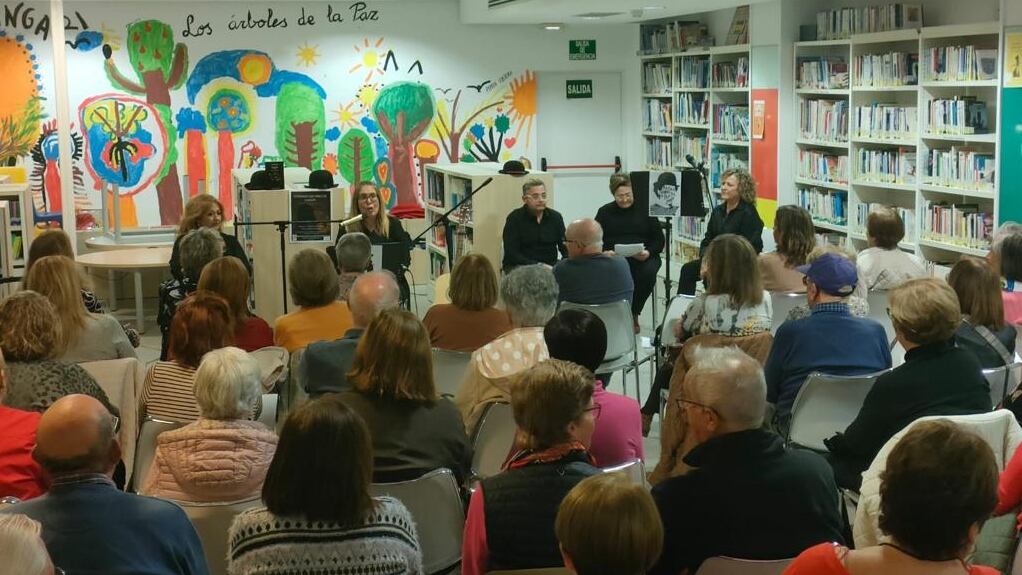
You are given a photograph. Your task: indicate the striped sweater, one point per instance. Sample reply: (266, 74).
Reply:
(385, 544)
(167, 392)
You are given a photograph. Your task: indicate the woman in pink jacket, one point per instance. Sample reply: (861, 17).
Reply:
(222, 456)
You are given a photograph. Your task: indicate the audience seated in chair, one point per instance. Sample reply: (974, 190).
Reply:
(89, 526)
(353, 256)
(202, 324)
(747, 495)
(939, 486)
(325, 364)
(511, 515)
(30, 340)
(579, 336)
(314, 287)
(607, 524)
(588, 275)
(983, 330)
(1005, 256)
(858, 302)
(413, 430)
(318, 508)
(883, 266)
(20, 475)
(795, 237)
(228, 278)
(198, 247)
(470, 321)
(530, 296)
(937, 378)
(22, 547)
(223, 456)
(830, 341)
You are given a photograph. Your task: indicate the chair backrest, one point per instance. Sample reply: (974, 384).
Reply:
(675, 309)
(781, 303)
(617, 317)
(293, 393)
(897, 354)
(435, 504)
(211, 522)
(878, 302)
(268, 414)
(1003, 380)
(493, 439)
(122, 381)
(145, 449)
(825, 405)
(542, 571)
(440, 285)
(273, 366)
(634, 469)
(732, 566)
(449, 369)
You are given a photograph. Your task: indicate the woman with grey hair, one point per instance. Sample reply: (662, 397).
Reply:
(314, 287)
(196, 249)
(353, 255)
(22, 547)
(530, 296)
(222, 456)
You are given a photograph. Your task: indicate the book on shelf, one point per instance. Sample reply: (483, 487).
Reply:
(656, 116)
(692, 108)
(690, 227)
(694, 72)
(722, 161)
(843, 22)
(437, 265)
(16, 246)
(886, 166)
(658, 153)
(691, 144)
(434, 188)
(672, 36)
(731, 74)
(962, 224)
(907, 215)
(738, 33)
(886, 70)
(825, 120)
(960, 167)
(824, 205)
(656, 78)
(439, 233)
(959, 63)
(731, 122)
(885, 121)
(823, 166)
(822, 72)
(961, 115)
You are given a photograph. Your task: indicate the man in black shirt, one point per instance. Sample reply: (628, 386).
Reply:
(533, 233)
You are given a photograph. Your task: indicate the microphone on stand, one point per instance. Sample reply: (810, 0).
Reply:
(350, 221)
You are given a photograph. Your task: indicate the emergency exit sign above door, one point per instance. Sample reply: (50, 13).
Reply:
(581, 49)
(579, 89)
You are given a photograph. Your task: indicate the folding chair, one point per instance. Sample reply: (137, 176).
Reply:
(211, 522)
(634, 469)
(781, 303)
(145, 449)
(449, 369)
(493, 439)
(622, 350)
(878, 302)
(825, 405)
(732, 566)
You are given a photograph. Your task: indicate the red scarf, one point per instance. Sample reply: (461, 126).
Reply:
(527, 457)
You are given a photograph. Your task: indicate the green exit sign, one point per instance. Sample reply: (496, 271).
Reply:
(582, 49)
(580, 89)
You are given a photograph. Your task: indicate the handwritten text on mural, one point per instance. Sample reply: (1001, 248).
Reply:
(31, 20)
(271, 19)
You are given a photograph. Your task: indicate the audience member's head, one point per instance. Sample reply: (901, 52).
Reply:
(978, 287)
(1009, 255)
(393, 359)
(725, 392)
(829, 278)
(924, 311)
(227, 384)
(794, 234)
(1006, 229)
(552, 403)
(884, 228)
(52, 242)
(323, 465)
(77, 435)
(202, 211)
(354, 253)
(312, 279)
(227, 277)
(732, 268)
(937, 489)
(530, 295)
(608, 524)
(584, 237)
(473, 283)
(197, 248)
(22, 547)
(202, 323)
(578, 336)
(372, 293)
(29, 327)
(56, 278)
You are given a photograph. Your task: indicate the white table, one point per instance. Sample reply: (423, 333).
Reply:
(134, 260)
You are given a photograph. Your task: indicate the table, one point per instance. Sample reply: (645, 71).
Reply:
(134, 260)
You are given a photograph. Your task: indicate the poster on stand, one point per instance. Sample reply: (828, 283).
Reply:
(664, 194)
(310, 215)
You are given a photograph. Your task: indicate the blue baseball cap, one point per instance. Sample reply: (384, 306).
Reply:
(833, 274)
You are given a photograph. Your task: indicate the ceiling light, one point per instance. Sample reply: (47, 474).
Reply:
(552, 27)
(652, 7)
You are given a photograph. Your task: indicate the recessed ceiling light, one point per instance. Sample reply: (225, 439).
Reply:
(552, 27)
(652, 7)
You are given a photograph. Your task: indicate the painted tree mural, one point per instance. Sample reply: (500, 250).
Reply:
(20, 105)
(449, 130)
(160, 67)
(355, 156)
(486, 147)
(301, 124)
(404, 111)
(191, 126)
(229, 113)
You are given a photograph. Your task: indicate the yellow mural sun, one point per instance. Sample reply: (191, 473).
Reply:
(345, 116)
(371, 58)
(308, 55)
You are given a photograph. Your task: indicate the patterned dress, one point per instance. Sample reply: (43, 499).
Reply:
(714, 314)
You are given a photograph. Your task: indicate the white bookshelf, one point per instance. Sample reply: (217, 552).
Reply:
(17, 222)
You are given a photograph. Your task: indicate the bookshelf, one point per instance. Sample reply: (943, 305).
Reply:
(16, 228)
(479, 225)
(883, 120)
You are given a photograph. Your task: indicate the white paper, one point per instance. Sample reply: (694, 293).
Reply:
(628, 250)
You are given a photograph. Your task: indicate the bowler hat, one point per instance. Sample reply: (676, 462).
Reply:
(260, 180)
(513, 168)
(321, 180)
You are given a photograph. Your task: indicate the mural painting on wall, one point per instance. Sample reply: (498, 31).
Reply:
(45, 178)
(21, 110)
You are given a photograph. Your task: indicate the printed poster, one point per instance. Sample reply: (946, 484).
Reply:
(310, 216)
(664, 194)
(1013, 58)
(758, 118)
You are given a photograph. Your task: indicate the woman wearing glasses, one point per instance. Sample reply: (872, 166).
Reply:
(623, 223)
(380, 227)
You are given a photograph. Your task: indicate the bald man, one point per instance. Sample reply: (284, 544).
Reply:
(89, 526)
(588, 275)
(325, 364)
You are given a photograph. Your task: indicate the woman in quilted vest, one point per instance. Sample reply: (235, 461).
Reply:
(222, 456)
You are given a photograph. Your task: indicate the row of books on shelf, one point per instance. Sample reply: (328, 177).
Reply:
(823, 119)
(907, 215)
(656, 116)
(435, 188)
(694, 145)
(959, 115)
(14, 209)
(731, 74)
(843, 22)
(461, 188)
(721, 162)
(656, 78)
(822, 73)
(961, 224)
(437, 265)
(959, 63)
(885, 121)
(824, 205)
(960, 167)
(890, 166)
(692, 108)
(690, 227)
(694, 72)
(658, 152)
(731, 122)
(823, 166)
(461, 236)
(673, 37)
(886, 70)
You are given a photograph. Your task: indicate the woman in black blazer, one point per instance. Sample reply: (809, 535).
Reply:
(206, 211)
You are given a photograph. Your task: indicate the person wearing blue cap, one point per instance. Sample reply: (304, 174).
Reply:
(831, 340)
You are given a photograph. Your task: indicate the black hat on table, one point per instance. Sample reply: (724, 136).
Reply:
(321, 180)
(260, 180)
(513, 168)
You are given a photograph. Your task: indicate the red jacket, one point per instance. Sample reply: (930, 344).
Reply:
(20, 475)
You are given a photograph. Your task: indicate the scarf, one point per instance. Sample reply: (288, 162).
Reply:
(568, 450)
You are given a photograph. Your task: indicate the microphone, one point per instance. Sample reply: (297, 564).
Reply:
(353, 220)
(485, 183)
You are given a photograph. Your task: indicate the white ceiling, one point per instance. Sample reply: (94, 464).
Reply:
(567, 11)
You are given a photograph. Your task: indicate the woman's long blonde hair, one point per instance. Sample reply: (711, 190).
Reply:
(195, 209)
(382, 221)
(56, 278)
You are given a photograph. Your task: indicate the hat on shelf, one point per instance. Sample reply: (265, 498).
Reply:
(833, 274)
(513, 168)
(321, 180)
(260, 180)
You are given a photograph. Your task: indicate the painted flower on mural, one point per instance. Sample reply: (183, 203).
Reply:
(125, 141)
(486, 139)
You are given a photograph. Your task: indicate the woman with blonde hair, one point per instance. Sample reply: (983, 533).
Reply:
(83, 336)
(22, 547)
(379, 226)
(983, 330)
(205, 211)
(470, 321)
(227, 277)
(413, 430)
(795, 237)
